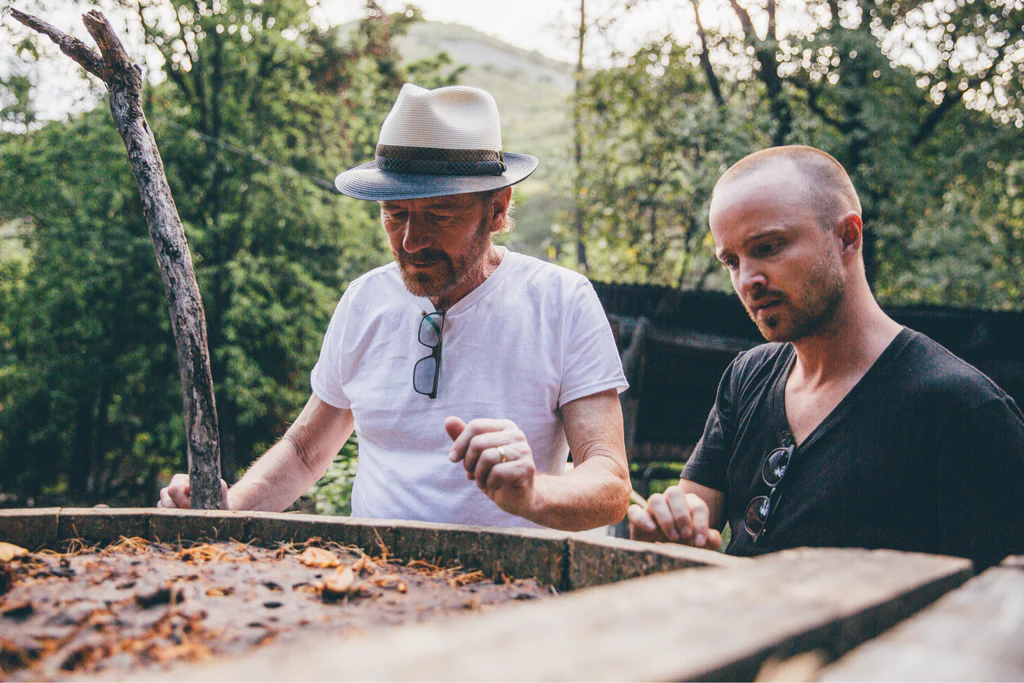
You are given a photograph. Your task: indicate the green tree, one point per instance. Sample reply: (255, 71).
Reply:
(923, 103)
(274, 247)
(87, 377)
(657, 140)
(259, 109)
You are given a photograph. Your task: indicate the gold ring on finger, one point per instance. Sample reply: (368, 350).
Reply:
(501, 454)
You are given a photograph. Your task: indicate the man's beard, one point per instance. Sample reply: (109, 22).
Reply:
(445, 272)
(818, 303)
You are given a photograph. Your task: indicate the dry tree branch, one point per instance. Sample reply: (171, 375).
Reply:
(69, 45)
(123, 79)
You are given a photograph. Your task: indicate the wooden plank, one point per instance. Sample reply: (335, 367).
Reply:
(976, 633)
(32, 529)
(713, 623)
(563, 560)
(537, 553)
(591, 564)
(170, 525)
(102, 525)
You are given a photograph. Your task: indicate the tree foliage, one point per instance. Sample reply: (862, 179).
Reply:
(259, 109)
(922, 102)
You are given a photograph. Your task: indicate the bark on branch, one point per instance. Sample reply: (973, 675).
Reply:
(188, 320)
(764, 50)
(705, 57)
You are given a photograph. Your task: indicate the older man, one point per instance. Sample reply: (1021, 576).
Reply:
(848, 429)
(467, 371)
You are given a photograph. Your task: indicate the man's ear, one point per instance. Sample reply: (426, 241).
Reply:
(499, 208)
(851, 234)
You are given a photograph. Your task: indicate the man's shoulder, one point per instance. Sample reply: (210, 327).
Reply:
(760, 358)
(754, 370)
(532, 270)
(930, 369)
(386, 275)
(531, 282)
(376, 286)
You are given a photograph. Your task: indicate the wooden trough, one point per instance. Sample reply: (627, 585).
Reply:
(633, 611)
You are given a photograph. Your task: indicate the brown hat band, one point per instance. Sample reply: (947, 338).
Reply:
(440, 161)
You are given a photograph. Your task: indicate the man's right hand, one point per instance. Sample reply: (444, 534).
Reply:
(178, 494)
(676, 517)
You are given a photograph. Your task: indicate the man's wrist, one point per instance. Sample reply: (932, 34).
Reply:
(540, 506)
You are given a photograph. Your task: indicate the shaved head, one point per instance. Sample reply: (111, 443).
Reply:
(828, 191)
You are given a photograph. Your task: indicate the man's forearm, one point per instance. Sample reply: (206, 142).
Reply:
(296, 462)
(274, 482)
(594, 494)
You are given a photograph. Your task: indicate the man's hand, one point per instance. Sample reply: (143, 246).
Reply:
(496, 455)
(178, 494)
(674, 516)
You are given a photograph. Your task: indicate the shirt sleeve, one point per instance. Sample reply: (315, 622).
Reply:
(709, 461)
(591, 362)
(982, 470)
(327, 373)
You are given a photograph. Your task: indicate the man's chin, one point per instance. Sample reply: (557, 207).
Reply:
(421, 284)
(772, 333)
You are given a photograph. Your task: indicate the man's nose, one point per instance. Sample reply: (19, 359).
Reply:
(750, 278)
(416, 237)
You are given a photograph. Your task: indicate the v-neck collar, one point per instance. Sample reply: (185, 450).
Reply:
(484, 288)
(778, 394)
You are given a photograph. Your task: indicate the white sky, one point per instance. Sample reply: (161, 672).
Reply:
(548, 26)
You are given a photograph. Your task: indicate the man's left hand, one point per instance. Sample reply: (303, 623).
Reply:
(496, 455)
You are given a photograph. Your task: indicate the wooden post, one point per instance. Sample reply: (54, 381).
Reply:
(188, 320)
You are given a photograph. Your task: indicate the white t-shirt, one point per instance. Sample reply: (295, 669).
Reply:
(531, 338)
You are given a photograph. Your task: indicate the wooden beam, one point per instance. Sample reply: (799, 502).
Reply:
(976, 633)
(705, 624)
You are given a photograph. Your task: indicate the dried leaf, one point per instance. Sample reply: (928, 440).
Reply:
(9, 551)
(365, 566)
(203, 552)
(339, 586)
(342, 580)
(318, 557)
(466, 579)
(17, 610)
(391, 582)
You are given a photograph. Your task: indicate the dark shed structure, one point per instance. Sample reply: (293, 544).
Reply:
(675, 345)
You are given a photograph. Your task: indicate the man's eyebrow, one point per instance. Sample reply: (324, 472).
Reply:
(766, 233)
(447, 205)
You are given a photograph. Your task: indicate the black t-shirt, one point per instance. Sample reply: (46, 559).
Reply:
(924, 454)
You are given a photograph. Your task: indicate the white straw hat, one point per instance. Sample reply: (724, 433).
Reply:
(436, 143)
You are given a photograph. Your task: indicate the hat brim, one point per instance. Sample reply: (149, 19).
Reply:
(367, 182)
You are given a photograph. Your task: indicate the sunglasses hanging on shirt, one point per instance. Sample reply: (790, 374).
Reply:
(773, 469)
(427, 369)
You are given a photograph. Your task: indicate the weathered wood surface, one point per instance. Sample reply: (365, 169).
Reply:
(589, 559)
(975, 633)
(188, 319)
(713, 623)
(564, 560)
